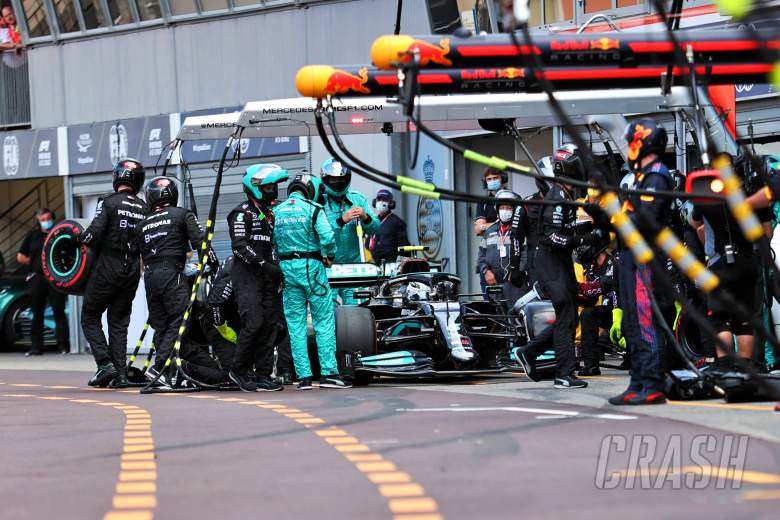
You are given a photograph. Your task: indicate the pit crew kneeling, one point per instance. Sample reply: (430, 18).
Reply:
(306, 246)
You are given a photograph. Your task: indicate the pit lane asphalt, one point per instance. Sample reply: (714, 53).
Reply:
(399, 452)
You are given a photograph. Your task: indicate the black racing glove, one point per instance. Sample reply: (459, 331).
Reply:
(594, 237)
(273, 271)
(517, 278)
(599, 216)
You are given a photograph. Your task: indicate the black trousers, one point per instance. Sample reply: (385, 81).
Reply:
(281, 340)
(167, 297)
(40, 293)
(591, 320)
(256, 298)
(555, 272)
(201, 366)
(111, 288)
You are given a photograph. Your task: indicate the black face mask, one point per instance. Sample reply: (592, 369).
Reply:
(270, 196)
(337, 183)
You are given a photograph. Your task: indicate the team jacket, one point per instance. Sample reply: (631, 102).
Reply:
(557, 222)
(501, 250)
(303, 228)
(654, 176)
(601, 281)
(115, 224)
(345, 233)
(167, 234)
(392, 235)
(251, 233)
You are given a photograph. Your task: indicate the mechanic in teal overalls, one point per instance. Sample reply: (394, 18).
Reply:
(306, 246)
(345, 209)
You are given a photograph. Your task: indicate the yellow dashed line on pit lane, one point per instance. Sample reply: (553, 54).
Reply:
(725, 406)
(406, 499)
(135, 497)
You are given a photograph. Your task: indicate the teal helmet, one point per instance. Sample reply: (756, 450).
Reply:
(772, 163)
(335, 177)
(259, 175)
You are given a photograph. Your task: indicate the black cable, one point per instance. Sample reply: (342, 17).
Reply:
(398, 12)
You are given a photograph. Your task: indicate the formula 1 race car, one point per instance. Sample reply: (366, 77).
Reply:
(413, 322)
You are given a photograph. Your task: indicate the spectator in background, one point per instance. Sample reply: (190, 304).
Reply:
(392, 230)
(40, 291)
(492, 180)
(11, 40)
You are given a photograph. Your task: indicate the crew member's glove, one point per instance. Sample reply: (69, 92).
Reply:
(273, 270)
(599, 216)
(616, 330)
(227, 332)
(517, 278)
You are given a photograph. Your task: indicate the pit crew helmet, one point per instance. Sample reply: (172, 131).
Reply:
(258, 176)
(644, 136)
(162, 190)
(335, 177)
(129, 172)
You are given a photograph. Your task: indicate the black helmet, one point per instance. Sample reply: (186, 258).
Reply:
(585, 255)
(161, 190)
(306, 184)
(507, 197)
(644, 136)
(130, 172)
(568, 163)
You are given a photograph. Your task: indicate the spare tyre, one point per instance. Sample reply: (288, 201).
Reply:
(67, 266)
(355, 335)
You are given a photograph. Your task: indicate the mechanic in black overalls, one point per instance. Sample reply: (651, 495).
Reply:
(555, 269)
(641, 328)
(600, 281)
(114, 277)
(30, 254)
(501, 260)
(738, 266)
(533, 214)
(392, 230)
(256, 276)
(165, 237)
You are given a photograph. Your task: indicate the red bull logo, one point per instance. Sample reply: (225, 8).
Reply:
(635, 146)
(430, 53)
(511, 73)
(341, 82)
(569, 45)
(604, 44)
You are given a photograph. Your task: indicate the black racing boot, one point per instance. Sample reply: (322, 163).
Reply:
(120, 380)
(305, 384)
(528, 364)
(648, 397)
(569, 382)
(334, 381)
(589, 371)
(285, 377)
(265, 384)
(623, 398)
(244, 381)
(105, 373)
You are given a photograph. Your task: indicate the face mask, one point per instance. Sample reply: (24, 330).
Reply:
(494, 184)
(505, 215)
(382, 206)
(47, 225)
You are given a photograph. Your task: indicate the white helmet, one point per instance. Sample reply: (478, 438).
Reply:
(416, 291)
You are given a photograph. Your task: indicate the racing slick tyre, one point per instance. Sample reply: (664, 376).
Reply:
(67, 266)
(689, 337)
(355, 334)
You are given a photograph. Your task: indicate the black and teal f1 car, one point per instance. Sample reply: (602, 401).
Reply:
(413, 322)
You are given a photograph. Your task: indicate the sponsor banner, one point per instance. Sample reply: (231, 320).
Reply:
(211, 150)
(98, 147)
(29, 153)
(751, 90)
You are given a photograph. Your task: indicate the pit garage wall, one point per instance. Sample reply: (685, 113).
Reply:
(205, 64)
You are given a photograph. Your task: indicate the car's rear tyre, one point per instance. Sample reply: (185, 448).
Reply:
(11, 322)
(65, 266)
(355, 333)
